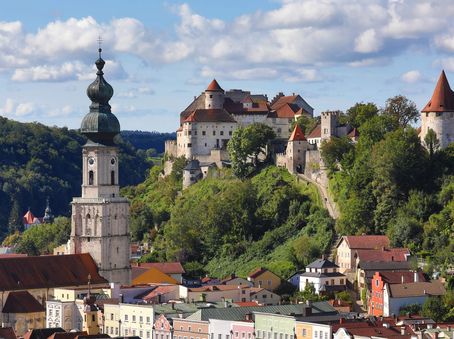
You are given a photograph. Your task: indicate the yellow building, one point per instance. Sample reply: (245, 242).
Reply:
(23, 312)
(150, 276)
(263, 278)
(307, 330)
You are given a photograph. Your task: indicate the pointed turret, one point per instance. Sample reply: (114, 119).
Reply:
(442, 98)
(48, 217)
(214, 87)
(297, 134)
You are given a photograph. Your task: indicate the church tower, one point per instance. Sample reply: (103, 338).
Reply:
(100, 218)
(438, 114)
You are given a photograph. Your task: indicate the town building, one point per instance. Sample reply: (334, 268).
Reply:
(366, 270)
(30, 220)
(264, 278)
(323, 275)
(172, 269)
(438, 114)
(100, 217)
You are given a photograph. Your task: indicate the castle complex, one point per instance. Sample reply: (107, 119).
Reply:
(438, 114)
(99, 223)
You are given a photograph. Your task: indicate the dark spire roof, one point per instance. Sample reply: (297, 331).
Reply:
(48, 217)
(443, 97)
(100, 125)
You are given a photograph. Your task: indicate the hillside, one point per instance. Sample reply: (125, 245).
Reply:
(223, 225)
(148, 140)
(37, 162)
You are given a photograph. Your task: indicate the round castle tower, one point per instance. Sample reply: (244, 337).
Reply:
(438, 114)
(214, 96)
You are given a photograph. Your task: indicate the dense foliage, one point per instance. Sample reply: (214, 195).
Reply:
(39, 162)
(389, 183)
(148, 140)
(225, 225)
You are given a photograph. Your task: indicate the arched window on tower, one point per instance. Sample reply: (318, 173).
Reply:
(90, 177)
(112, 177)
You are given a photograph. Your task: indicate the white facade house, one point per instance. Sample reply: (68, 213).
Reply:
(324, 276)
(220, 329)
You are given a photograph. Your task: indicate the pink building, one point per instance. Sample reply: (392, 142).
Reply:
(243, 329)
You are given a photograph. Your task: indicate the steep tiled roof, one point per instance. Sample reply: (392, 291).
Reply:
(384, 265)
(210, 115)
(7, 333)
(284, 100)
(287, 110)
(29, 218)
(42, 333)
(160, 290)
(366, 241)
(353, 133)
(22, 302)
(257, 272)
(214, 87)
(398, 277)
(416, 289)
(442, 98)
(383, 254)
(21, 273)
(322, 263)
(297, 134)
(165, 267)
(316, 132)
(67, 335)
(151, 276)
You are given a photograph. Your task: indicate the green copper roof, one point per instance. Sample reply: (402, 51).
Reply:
(100, 125)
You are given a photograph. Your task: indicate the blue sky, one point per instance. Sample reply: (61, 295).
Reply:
(161, 53)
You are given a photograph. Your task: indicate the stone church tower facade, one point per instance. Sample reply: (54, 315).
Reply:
(100, 218)
(438, 114)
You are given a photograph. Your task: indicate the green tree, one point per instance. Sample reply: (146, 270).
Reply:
(431, 142)
(337, 151)
(245, 146)
(306, 123)
(434, 308)
(403, 110)
(360, 113)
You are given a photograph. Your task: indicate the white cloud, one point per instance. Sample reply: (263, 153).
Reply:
(134, 92)
(411, 77)
(447, 64)
(14, 109)
(368, 42)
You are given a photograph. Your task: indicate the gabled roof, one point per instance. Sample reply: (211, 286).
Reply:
(67, 335)
(171, 267)
(255, 98)
(257, 272)
(284, 100)
(212, 288)
(7, 333)
(42, 333)
(297, 134)
(214, 87)
(322, 263)
(366, 241)
(29, 218)
(160, 290)
(316, 132)
(151, 276)
(210, 115)
(22, 302)
(442, 98)
(20, 273)
(383, 254)
(416, 289)
(353, 133)
(384, 265)
(398, 277)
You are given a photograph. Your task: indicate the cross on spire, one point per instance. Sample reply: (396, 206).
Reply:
(99, 45)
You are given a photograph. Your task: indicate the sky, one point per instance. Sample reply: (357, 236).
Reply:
(160, 54)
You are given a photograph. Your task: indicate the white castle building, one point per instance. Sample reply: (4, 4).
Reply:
(208, 123)
(100, 218)
(438, 114)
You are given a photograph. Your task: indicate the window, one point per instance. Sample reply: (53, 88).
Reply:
(112, 177)
(376, 282)
(133, 318)
(133, 332)
(342, 281)
(189, 132)
(214, 132)
(221, 132)
(148, 320)
(315, 334)
(148, 334)
(189, 328)
(189, 145)
(141, 333)
(230, 132)
(111, 316)
(204, 133)
(304, 332)
(236, 334)
(219, 336)
(90, 178)
(140, 319)
(126, 317)
(269, 282)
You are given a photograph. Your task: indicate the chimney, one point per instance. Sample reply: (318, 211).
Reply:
(173, 305)
(402, 278)
(402, 330)
(341, 320)
(416, 276)
(121, 297)
(248, 316)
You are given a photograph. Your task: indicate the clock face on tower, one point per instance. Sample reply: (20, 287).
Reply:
(91, 161)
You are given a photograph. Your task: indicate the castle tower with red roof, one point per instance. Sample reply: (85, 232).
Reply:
(297, 146)
(214, 96)
(438, 114)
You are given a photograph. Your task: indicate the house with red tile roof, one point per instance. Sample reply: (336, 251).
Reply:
(438, 114)
(264, 278)
(173, 269)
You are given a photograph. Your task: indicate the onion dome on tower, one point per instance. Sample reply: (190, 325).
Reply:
(100, 125)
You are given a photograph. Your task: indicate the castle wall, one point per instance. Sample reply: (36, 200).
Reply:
(280, 126)
(441, 123)
(248, 119)
(281, 160)
(170, 147)
(312, 169)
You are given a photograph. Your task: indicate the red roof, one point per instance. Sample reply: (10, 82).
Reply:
(316, 132)
(353, 133)
(297, 134)
(366, 241)
(397, 277)
(19, 273)
(210, 115)
(283, 100)
(442, 98)
(165, 267)
(287, 110)
(160, 290)
(22, 302)
(257, 272)
(246, 304)
(212, 288)
(214, 87)
(67, 335)
(29, 218)
(383, 254)
(7, 333)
